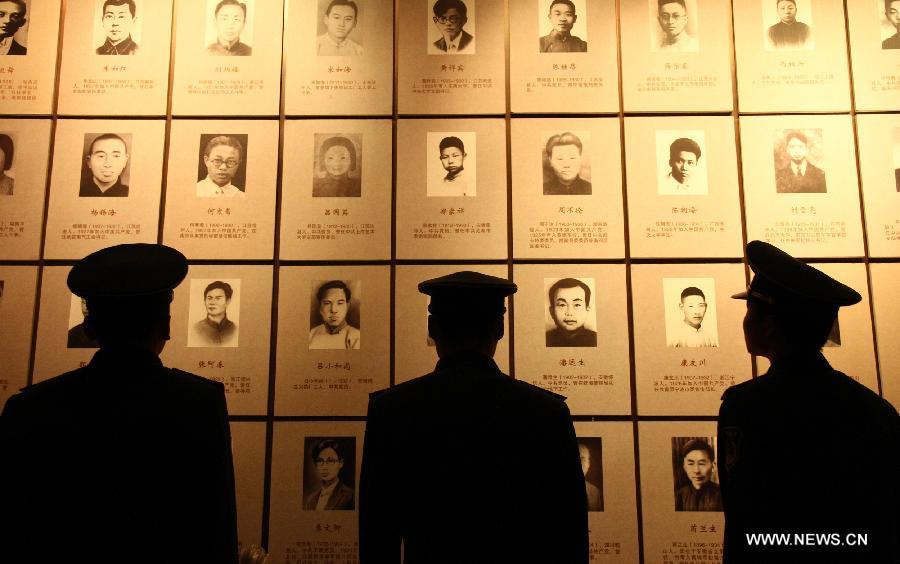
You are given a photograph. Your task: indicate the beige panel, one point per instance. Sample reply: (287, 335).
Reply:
(234, 227)
(879, 161)
(567, 225)
(687, 380)
(563, 82)
(694, 74)
(887, 319)
(79, 225)
(876, 70)
(697, 217)
(338, 84)
(21, 212)
(27, 81)
(825, 224)
(326, 228)
(18, 285)
(137, 84)
(693, 535)
(595, 379)
(433, 227)
(313, 381)
(248, 445)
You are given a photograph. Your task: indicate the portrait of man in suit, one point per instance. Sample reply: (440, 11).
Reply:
(590, 453)
(798, 175)
(565, 160)
(326, 487)
(230, 16)
(450, 17)
(672, 17)
(103, 166)
(892, 13)
(215, 329)
(77, 338)
(789, 33)
(12, 18)
(696, 483)
(340, 20)
(570, 309)
(562, 17)
(222, 167)
(118, 19)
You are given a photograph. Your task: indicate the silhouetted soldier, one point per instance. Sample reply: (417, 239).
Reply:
(123, 460)
(805, 448)
(466, 464)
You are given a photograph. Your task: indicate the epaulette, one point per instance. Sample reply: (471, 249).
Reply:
(197, 378)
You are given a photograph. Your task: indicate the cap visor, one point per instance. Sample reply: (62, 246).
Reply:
(741, 296)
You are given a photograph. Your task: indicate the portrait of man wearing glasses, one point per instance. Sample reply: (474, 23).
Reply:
(450, 17)
(323, 488)
(222, 157)
(673, 20)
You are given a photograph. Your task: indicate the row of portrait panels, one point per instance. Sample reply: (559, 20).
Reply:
(801, 187)
(450, 56)
(332, 338)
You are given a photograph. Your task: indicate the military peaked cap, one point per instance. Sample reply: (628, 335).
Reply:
(123, 271)
(467, 293)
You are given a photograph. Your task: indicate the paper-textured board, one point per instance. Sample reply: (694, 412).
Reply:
(18, 285)
(22, 206)
(875, 52)
(887, 317)
(248, 447)
(879, 170)
(27, 82)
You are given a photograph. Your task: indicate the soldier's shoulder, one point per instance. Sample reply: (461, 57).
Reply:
(192, 381)
(867, 400)
(404, 389)
(538, 393)
(752, 387)
(57, 385)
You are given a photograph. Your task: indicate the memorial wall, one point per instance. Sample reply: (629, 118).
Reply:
(315, 160)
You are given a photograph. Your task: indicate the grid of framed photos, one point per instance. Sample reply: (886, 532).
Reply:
(316, 159)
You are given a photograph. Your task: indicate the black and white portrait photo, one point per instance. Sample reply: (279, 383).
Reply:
(695, 474)
(14, 27)
(680, 165)
(334, 315)
(895, 152)
(590, 450)
(563, 26)
(339, 32)
(675, 26)
(451, 27)
(117, 29)
(7, 172)
(890, 24)
(337, 170)
(797, 152)
(567, 167)
(450, 164)
(229, 30)
(571, 320)
(328, 474)
(690, 312)
(788, 25)
(215, 312)
(105, 166)
(221, 169)
(77, 338)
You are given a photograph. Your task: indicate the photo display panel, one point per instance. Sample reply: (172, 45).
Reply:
(18, 285)
(451, 189)
(875, 51)
(28, 67)
(791, 60)
(879, 163)
(336, 190)
(688, 342)
(572, 334)
(563, 59)
(115, 61)
(567, 188)
(299, 530)
(887, 319)
(220, 193)
(451, 63)
(221, 321)
(227, 61)
(607, 460)
(248, 447)
(333, 339)
(335, 57)
(676, 56)
(105, 186)
(801, 192)
(25, 151)
(681, 500)
(414, 351)
(688, 204)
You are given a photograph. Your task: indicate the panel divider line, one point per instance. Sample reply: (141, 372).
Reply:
(392, 304)
(163, 192)
(507, 121)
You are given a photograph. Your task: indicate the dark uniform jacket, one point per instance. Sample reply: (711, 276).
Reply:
(468, 465)
(123, 460)
(806, 449)
(580, 187)
(341, 498)
(17, 49)
(812, 181)
(91, 190)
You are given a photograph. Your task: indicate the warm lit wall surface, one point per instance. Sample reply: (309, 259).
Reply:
(671, 133)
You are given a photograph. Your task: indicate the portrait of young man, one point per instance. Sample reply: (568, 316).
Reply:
(7, 152)
(892, 13)
(340, 19)
(570, 310)
(77, 338)
(337, 167)
(897, 157)
(562, 16)
(230, 17)
(689, 331)
(450, 17)
(456, 179)
(565, 160)
(590, 452)
(328, 482)
(331, 328)
(215, 329)
(12, 18)
(789, 33)
(672, 17)
(103, 166)
(695, 489)
(222, 166)
(118, 20)
(794, 174)
(683, 172)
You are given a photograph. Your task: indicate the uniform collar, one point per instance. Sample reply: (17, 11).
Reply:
(124, 356)
(802, 363)
(467, 362)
